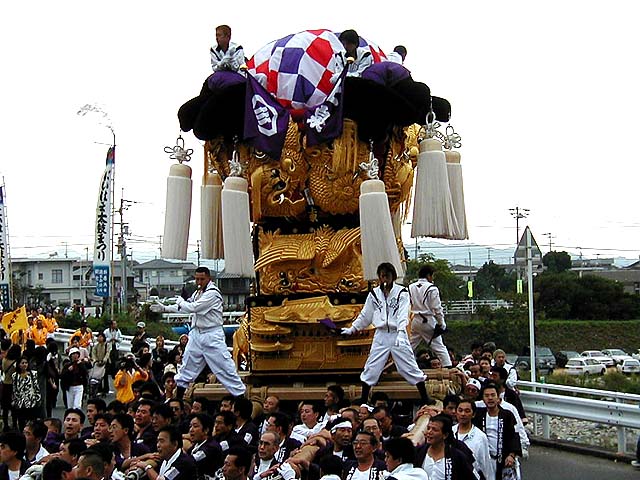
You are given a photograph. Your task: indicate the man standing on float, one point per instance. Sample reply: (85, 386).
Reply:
(428, 316)
(387, 308)
(206, 337)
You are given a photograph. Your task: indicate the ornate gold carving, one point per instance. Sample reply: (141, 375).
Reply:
(334, 174)
(322, 261)
(309, 310)
(291, 338)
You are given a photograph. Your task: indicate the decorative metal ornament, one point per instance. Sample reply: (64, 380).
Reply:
(178, 152)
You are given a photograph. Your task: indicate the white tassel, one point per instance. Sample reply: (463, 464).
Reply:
(376, 230)
(433, 213)
(211, 217)
(456, 186)
(238, 258)
(177, 215)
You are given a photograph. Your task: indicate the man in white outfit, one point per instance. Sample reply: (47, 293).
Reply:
(226, 55)
(428, 317)
(206, 337)
(387, 308)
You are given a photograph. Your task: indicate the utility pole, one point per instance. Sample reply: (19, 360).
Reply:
(160, 245)
(488, 254)
(550, 237)
(122, 249)
(518, 213)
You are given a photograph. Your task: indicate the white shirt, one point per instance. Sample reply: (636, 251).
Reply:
(113, 335)
(363, 60)
(435, 469)
(406, 471)
(263, 467)
(166, 469)
(360, 475)
(231, 60)
(492, 434)
(43, 452)
(302, 432)
(478, 443)
(383, 312)
(425, 300)
(205, 305)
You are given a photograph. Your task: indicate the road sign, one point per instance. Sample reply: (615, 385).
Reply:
(520, 254)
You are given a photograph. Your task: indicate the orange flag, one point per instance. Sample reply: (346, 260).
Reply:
(16, 320)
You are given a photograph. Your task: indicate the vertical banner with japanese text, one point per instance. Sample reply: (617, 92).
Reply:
(102, 249)
(5, 265)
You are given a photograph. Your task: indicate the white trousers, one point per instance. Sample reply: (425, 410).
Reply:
(74, 396)
(209, 347)
(382, 346)
(424, 331)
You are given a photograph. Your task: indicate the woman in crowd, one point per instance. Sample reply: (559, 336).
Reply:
(53, 377)
(26, 392)
(99, 359)
(8, 369)
(75, 377)
(173, 361)
(159, 354)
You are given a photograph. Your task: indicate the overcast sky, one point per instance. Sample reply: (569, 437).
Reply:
(545, 97)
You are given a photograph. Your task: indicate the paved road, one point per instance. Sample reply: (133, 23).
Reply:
(552, 464)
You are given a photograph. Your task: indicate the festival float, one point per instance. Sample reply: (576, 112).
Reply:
(308, 176)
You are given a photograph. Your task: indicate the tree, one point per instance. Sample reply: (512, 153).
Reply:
(451, 287)
(557, 262)
(566, 296)
(490, 280)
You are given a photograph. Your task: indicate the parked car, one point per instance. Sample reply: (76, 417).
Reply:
(599, 356)
(584, 366)
(545, 361)
(629, 365)
(636, 355)
(618, 355)
(562, 356)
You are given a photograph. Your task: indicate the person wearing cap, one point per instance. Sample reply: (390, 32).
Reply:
(76, 377)
(206, 337)
(472, 389)
(85, 334)
(428, 315)
(139, 340)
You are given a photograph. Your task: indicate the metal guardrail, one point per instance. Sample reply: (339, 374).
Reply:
(63, 335)
(622, 412)
(467, 307)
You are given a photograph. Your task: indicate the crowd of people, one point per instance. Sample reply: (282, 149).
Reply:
(156, 434)
(150, 430)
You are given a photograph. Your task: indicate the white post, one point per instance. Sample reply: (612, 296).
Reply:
(532, 336)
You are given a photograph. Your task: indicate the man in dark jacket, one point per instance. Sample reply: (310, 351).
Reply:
(499, 426)
(205, 451)
(176, 465)
(12, 462)
(441, 457)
